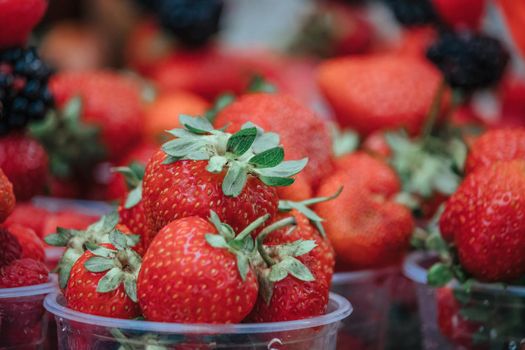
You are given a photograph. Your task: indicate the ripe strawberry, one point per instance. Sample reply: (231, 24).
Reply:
(110, 102)
(32, 245)
(206, 169)
(17, 19)
(7, 197)
(416, 40)
(377, 145)
(512, 98)
(28, 215)
(514, 12)
(66, 218)
(102, 280)
(484, 218)
(378, 92)
(461, 14)
(24, 162)
(302, 133)
(371, 230)
(496, 145)
(23, 272)
(163, 113)
(11, 249)
(206, 283)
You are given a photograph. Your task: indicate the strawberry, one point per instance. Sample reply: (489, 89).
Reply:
(377, 144)
(512, 97)
(402, 89)
(302, 133)
(110, 102)
(164, 112)
(66, 218)
(32, 245)
(7, 197)
(416, 40)
(18, 19)
(23, 272)
(496, 145)
(206, 169)
(514, 13)
(190, 274)
(372, 230)
(484, 219)
(24, 162)
(103, 279)
(28, 215)
(461, 14)
(11, 249)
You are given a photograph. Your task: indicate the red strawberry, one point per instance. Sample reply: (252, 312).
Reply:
(484, 218)
(377, 145)
(32, 245)
(101, 279)
(7, 197)
(24, 162)
(377, 92)
(461, 14)
(17, 19)
(206, 169)
(185, 279)
(23, 272)
(366, 228)
(514, 12)
(302, 133)
(110, 102)
(496, 145)
(28, 215)
(11, 249)
(67, 218)
(451, 322)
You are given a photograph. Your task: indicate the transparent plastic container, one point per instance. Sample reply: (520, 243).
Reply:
(369, 291)
(23, 319)
(80, 331)
(491, 316)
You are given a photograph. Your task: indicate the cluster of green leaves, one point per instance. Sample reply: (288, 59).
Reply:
(250, 151)
(133, 175)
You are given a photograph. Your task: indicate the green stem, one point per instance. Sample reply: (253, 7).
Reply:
(434, 110)
(264, 233)
(251, 227)
(318, 200)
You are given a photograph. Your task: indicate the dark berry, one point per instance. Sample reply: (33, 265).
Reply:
(412, 12)
(24, 95)
(469, 61)
(193, 22)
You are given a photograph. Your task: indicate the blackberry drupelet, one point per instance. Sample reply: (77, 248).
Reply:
(412, 12)
(469, 61)
(193, 22)
(24, 94)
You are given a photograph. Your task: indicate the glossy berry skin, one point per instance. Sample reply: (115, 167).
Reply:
(184, 279)
(302, 133)
(379, 92)
(135, 220)
(460, 14)
(11, 249)
(17, 19)
(366, 227)
(185, 188)
(7, 197)
(25, 163)
(81, 293)
(485, 220)
(496, 145)
(32, 245)
(110, 101)
(23, 272)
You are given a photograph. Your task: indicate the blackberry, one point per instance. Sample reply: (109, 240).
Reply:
(413, 12)
(469, 61)
(193, 22)
(24, 94)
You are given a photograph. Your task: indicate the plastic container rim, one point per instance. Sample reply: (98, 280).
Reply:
(343, 310)
(414, 271)
(37, 289)
(356, 276)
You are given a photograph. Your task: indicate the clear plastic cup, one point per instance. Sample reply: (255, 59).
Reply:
(23, 320)
(80, 331)
(491, 316)
(369, 291)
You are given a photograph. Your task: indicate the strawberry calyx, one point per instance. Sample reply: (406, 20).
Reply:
(250, 151)
(276, 262)
(133, 175)
(153, 341)
(221, 102)
(241, 245)
(303, 208)
(122, 264)
(76, 241)
(343, 141)
(73, 146)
